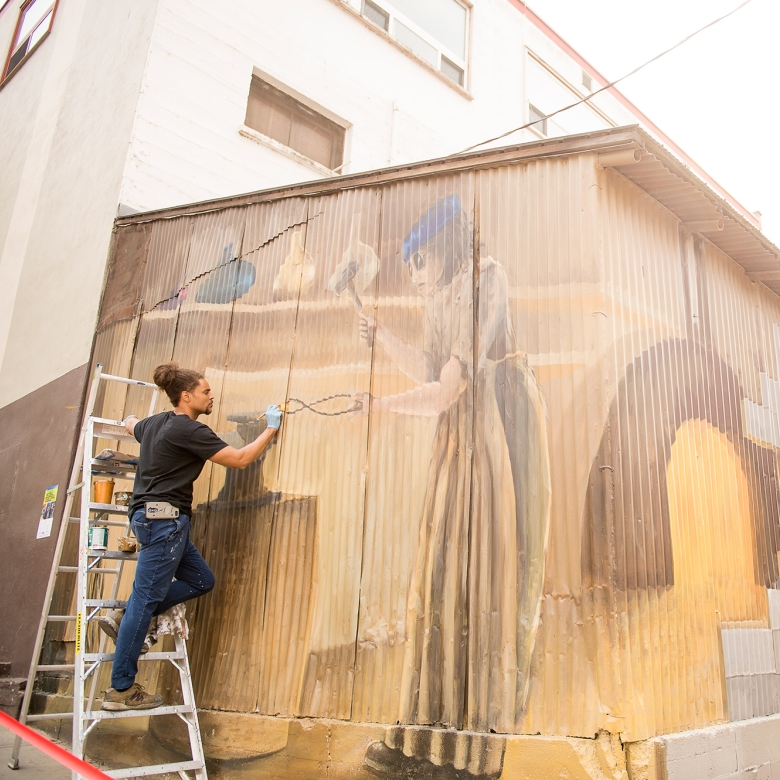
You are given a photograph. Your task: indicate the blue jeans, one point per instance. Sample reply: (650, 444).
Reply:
(166, 552)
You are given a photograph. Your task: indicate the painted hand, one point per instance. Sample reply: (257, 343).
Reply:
(360, 404)
(367, 325)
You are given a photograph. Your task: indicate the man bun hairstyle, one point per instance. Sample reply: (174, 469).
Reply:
(175, 381)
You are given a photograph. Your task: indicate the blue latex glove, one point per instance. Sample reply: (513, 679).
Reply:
(273, 416)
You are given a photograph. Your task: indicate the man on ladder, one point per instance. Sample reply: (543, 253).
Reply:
(170, 570)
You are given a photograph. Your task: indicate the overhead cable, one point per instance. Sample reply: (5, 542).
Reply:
(607, 86)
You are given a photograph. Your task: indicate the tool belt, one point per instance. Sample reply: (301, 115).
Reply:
(160, 510)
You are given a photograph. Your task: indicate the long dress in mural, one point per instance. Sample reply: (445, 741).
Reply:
(474, 593)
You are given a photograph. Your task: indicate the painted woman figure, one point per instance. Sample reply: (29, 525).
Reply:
(474, 596)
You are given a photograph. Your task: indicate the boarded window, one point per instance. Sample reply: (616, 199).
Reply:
(288, 121)
(35, 20)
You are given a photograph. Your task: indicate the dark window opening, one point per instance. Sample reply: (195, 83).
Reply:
(288, 121)
(537, 119)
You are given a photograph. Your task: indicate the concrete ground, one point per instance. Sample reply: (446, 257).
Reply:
(33, 765)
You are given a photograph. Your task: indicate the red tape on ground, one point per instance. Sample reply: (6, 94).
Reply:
(87, 771)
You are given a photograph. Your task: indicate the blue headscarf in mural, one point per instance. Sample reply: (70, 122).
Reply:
(430, 223)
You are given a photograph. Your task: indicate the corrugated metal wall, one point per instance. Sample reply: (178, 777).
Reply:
(560, 497)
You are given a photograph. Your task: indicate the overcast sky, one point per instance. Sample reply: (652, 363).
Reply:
(716, 95)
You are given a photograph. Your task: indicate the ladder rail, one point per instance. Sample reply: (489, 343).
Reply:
(82, 626)
(59, 547)
(120, 565)
(102, 644)
(193, 726)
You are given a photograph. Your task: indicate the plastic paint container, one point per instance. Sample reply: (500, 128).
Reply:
(97, 538)
(103, 489)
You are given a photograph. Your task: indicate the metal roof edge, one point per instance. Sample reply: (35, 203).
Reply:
(658, 150)
(626, 137)
(600, 140)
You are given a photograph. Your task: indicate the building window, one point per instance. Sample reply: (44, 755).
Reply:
(376, 15)
(281, 117)
(435, 30)
(537, 119)
(587, 81)
(35, 20)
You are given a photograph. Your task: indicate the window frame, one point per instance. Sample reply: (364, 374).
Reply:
(356, 7)
(575, 90)
(6, 75)
(381, 11)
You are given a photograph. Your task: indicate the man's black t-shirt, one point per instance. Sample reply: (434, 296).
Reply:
(174, 448)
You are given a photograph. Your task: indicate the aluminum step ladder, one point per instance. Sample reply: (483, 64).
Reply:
(88, 660)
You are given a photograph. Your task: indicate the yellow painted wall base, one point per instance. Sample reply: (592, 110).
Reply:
(254, 746)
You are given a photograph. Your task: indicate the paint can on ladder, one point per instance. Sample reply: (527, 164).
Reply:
(97, 538)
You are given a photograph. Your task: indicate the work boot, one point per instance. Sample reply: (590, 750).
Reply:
(109, 625)
(134, 698)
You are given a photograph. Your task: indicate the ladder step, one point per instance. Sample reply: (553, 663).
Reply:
(111, 429)
(109, 509)
(66, 569)
(125, 380)
(105, 657)
(159, 769)
(60, 618)
(55, 668)
(113, 466)
(50, 716)
(108, 715)
(115, 523)
(105, 603)
(114, 555)
(101, 467)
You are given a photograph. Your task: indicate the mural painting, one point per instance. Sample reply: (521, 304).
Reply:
(519, 441)
(473, 598)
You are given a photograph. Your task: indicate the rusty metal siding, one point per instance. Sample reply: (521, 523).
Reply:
(235, 524)
(568, 543)
(163, 275)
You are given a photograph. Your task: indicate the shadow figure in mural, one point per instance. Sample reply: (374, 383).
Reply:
(474, 596)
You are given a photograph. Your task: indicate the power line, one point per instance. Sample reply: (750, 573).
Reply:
(611, 83)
